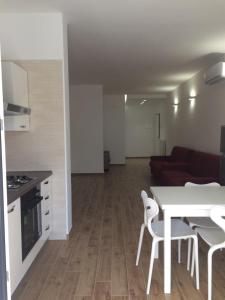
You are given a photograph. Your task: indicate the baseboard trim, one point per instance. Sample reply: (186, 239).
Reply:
(58, 236)
(86, 174)
(134, 157)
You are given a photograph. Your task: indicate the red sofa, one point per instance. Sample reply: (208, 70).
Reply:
(179, 158)
(199, 167)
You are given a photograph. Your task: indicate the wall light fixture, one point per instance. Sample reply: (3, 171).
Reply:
(192, 98)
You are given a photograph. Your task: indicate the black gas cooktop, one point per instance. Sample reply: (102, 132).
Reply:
(15, 182)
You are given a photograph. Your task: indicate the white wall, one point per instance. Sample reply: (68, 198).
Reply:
(114, 127)
(86, 127)
(31, 36)
(139, 127)
(33, 40)
(196, 124)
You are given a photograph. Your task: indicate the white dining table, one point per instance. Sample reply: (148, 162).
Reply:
(183, 202)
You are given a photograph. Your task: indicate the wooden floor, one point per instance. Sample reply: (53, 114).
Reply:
(98, 262)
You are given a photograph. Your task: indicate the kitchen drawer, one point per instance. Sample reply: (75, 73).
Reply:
(45, 204)
(46, 213)
(46, 225)
(46, 187)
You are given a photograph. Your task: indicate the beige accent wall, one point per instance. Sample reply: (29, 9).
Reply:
(42, 147)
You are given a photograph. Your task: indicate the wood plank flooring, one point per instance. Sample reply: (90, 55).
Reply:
(98, 262)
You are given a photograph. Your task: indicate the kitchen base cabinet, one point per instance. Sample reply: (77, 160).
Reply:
(18, 267)
(15, 244)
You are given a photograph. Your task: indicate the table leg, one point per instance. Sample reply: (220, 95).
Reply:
(156, 219)
(167, 253)
(157, 244)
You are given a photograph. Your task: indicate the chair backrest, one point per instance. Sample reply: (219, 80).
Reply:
(151, 208)
(144, 197)
(217, 213)
(213, 184)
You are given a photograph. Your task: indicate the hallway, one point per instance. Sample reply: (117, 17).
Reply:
(98, 261)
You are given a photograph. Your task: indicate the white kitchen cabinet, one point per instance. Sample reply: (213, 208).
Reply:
(17, 123)
(18, 267)
(15, 91)
(15, 243)
(46, 206)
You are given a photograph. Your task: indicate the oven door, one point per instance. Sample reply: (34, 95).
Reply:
(31, 224)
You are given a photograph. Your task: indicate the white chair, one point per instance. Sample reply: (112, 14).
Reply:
(215, 238)
(144, 198)
(145, 201)
(179, 230)
(202, 222)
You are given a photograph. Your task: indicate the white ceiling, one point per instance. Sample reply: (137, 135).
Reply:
(136, 99)
(136, 46)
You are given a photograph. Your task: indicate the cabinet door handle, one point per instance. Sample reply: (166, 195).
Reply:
(46, 182)
(22, 126)
(47, 228)
(47, 213)
(11, 209)
(47, 197)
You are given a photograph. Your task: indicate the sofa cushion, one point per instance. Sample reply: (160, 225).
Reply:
(179, 178)
(180, 154)
(174, 177)
(204, 164)
(154, 160)
(158, 167)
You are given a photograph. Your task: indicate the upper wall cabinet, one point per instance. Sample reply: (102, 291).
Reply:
(15, 91)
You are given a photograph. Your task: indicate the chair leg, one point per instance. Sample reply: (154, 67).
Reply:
(179, 251)
(189, 255)
(210, 253)
(195, 242)
(140, 243)
(193, 260)
(154, 244)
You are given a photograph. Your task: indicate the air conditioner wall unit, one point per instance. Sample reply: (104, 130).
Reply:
(215, 73)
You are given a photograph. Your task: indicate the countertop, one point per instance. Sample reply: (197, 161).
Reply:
(37, 177)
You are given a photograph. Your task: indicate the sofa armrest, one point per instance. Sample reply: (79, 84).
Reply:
(204, 180)
(179, 166)
(160, 158)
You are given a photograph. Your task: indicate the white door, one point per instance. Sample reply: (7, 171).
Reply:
(139, 130)
(156, 133)
(4, 244)
(159, 144)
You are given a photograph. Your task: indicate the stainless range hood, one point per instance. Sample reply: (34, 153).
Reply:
(11, 109)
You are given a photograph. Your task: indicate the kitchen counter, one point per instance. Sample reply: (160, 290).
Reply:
(37, 177)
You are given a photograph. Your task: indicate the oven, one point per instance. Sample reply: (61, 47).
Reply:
(30, 220)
